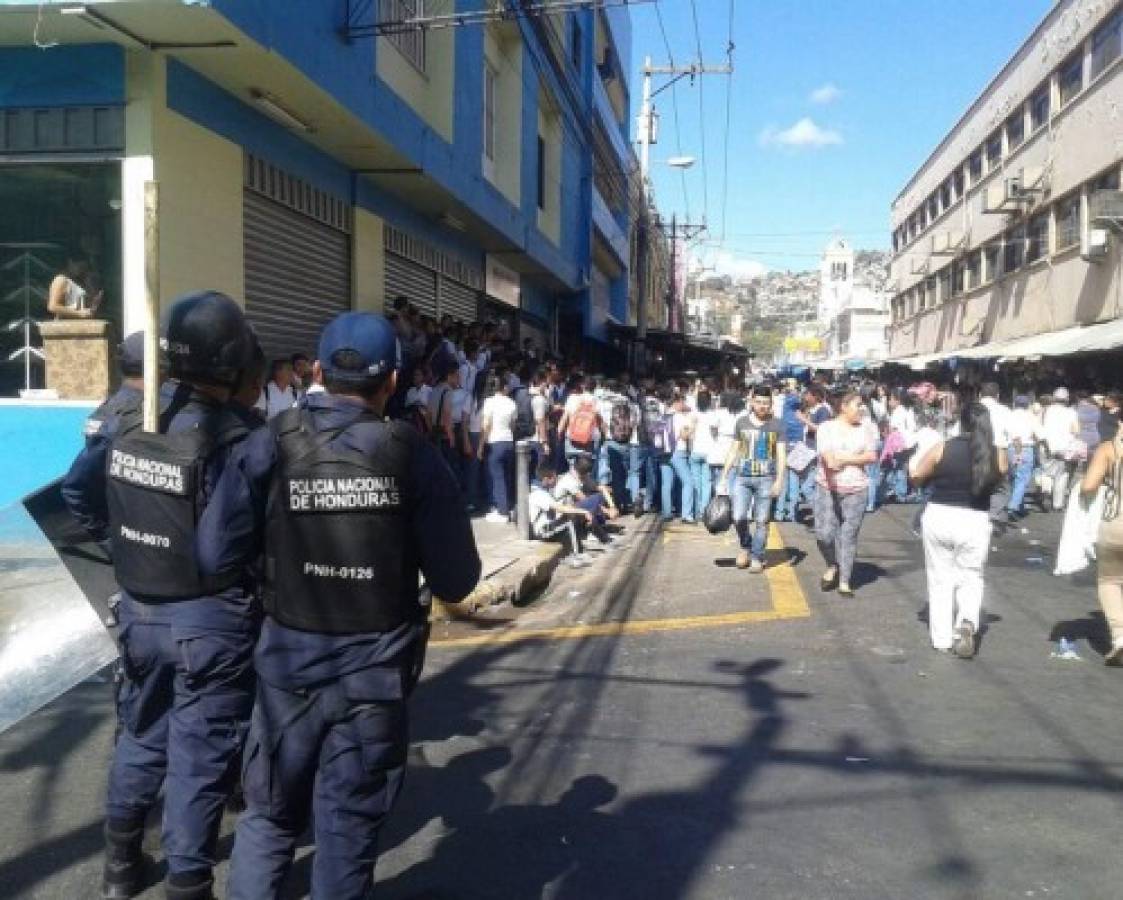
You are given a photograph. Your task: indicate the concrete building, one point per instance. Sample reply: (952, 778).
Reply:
(307, 166)
(853, 308)
(1003, 241)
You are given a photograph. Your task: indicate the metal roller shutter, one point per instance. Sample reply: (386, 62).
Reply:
(415, 282)
(298, 276)
(458, 301)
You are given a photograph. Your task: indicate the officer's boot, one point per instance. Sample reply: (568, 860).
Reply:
(194, 885)
(124, 864)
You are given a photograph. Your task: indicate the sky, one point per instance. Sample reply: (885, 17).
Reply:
(833, 105)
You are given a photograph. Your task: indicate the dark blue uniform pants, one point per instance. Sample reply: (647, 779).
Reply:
(328, 753)
(183, 707)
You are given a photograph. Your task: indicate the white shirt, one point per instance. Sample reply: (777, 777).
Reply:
(1059, 425)
(539, 406)
(418, 396)
(542, 505)
(726, 434)
(460, 405)
(679, 422)
(501, 411)
(705, 434)
(467, 375)
(926, 439)
(1022, 426)
(567, 488)
(903, 420)
(277, 400)
(999, 421)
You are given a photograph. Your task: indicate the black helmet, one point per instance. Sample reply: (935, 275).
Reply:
(205, 338)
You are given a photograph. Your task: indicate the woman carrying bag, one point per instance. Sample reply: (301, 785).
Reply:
(1106, 471)
(961, 473)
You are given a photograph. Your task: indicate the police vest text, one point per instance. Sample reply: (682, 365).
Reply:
(148, 473)
(339, 494)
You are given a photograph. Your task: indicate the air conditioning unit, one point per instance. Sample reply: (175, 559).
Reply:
(1093, 247)
(994, 200)
(946, 243)
(1012, 191)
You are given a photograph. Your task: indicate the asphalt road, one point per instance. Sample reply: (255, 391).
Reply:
(663, 725)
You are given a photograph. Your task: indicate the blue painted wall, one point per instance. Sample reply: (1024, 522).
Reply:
(74, 75)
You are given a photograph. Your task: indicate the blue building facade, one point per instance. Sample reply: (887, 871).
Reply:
(307, 165)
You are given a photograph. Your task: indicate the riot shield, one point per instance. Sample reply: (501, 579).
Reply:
(53, 601)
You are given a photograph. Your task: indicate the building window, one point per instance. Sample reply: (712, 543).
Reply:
(930, 291)
(957, 184)
(1037, 238)
(838, 271)
(1068, 222)
(541, 172)
(958, 270)
(1014, 250)
(1070, 78)
(945, 194)
(410, 43)
(975, 166)
(1109, 181)
(919, 299)
(490, 78)
(1039, 108)
(992, 257)
(974, 270)
(945, 284)
(933, 208)
(1107, 43)
(994, 150)
(1015, 130)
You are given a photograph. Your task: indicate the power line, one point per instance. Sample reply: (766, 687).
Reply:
(674, 107)
(728, 122)
(701, 115)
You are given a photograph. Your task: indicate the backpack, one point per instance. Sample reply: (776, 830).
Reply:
(524, 414)
(621, 426)
(583, 422)
(659, 431)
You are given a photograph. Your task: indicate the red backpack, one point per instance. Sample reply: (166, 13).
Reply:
(583, 423)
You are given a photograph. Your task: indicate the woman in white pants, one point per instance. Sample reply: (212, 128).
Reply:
(961, 473)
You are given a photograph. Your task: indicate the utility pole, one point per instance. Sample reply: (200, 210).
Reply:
(646, 125)
(685, 231)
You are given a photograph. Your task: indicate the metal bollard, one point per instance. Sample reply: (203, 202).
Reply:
(522, 489)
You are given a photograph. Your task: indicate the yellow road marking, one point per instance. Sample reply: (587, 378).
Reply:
(788, 602)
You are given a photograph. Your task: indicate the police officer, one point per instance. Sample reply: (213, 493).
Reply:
(127, 398)
(349, 508)
(186, 641)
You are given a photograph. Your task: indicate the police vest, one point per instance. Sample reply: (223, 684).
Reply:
(340, 557)
(154, 496)
(121, 404)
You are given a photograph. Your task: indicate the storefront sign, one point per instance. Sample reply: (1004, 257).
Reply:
(502, 283)
(809, 345)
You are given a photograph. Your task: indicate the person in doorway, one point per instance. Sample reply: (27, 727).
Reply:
(847, 444)
(963, 473)
(1106, 470)
(72, 294)
(758, 460)
(497, 441)
(280, 391)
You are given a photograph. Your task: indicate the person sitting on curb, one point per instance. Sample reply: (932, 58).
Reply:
(550, 519)
(578, 487)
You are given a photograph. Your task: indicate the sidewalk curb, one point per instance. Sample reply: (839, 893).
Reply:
(510, 585)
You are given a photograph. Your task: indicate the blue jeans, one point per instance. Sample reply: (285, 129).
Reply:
(666, 485)
(873, 490)
(500, 462)
(641, 462)
(680, 463)
(615, 466)
(703, 482)
(796, 484)
(754, 491)
(1021, 468)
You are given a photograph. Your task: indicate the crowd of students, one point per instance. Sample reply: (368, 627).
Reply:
(825, 455)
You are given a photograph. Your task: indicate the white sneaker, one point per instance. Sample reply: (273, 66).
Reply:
(496, 517)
